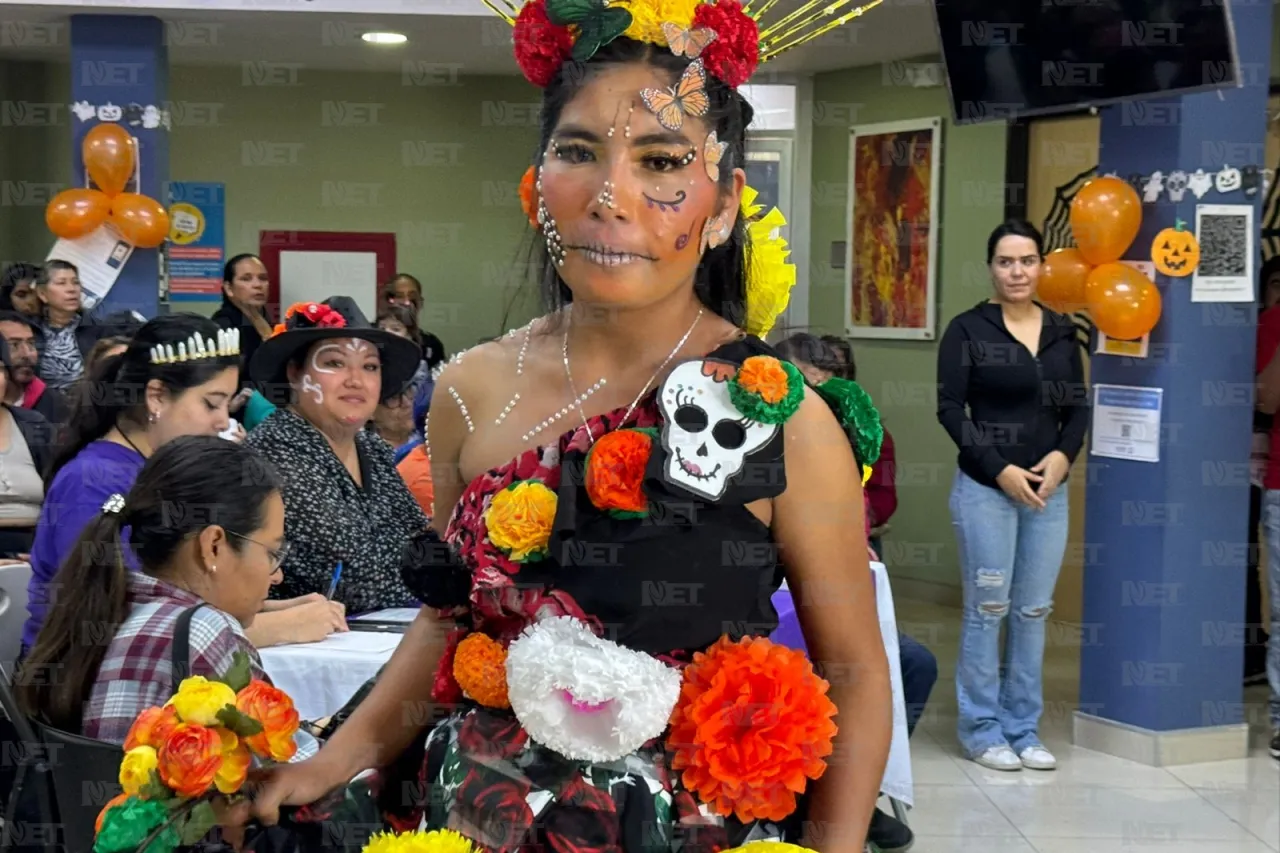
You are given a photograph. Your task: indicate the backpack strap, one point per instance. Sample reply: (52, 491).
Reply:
(181, 647)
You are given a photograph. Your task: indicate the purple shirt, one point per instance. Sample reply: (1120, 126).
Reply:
(75, 496)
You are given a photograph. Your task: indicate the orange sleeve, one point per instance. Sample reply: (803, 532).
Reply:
(415, 469)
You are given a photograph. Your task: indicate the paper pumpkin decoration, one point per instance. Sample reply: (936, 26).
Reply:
(1175, 251)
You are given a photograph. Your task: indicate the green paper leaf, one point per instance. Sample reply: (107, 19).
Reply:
(565, 12)
(598, 30)
(155, 790)
(238, 722)
(198, 823)
(238, 677)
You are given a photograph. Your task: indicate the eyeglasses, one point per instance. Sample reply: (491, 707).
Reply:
(277, 555)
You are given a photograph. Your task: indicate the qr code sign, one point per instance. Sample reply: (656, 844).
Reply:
(1224, 245)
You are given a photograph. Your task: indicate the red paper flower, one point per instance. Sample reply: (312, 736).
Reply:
(753, 724)
(735, 53)
(541, 47)
(615, 471)
(444, 689)
(306, 315)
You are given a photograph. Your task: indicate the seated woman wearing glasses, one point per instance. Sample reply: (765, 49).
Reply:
(206, 524)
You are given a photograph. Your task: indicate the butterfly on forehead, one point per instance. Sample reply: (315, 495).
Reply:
(687, 97)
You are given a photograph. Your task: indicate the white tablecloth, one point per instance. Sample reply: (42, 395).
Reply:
(321, 677)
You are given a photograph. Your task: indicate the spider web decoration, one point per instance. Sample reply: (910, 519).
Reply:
(1057, 235)
(1271, 219)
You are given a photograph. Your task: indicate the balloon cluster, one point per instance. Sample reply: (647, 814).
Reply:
(1123, 303)
(110, 157)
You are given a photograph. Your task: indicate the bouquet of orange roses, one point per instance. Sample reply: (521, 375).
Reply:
(179, 758)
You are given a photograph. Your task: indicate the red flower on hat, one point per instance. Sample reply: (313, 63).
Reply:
(304, 315)
(735, 53)
(541, 47)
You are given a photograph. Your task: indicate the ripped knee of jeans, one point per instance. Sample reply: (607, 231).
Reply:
(993, 611)
(1036, 613)
(988, 578)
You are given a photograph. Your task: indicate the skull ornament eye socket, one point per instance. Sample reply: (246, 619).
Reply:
(700, 460)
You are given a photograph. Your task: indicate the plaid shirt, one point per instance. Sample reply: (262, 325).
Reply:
(137, 671)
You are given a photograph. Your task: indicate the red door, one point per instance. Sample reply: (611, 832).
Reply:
(306, 266)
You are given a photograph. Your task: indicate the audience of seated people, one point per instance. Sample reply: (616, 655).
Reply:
(25, 388)
(216, 555)
(132, 405)
(26, 448)
(18, 290)
(411, 458)
(328, 371)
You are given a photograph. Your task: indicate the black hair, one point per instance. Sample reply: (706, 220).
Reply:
(844, 351)
(188, 485)
(116, 389)
(229, 271)
(46, 272)
(13, 274)
(10, 315)
(721, 280)
(417, 285)
(810, 349)
(1014, 228)
(1270, 267)
(405, 317)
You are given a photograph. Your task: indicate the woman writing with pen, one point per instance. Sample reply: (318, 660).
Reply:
(348, 513)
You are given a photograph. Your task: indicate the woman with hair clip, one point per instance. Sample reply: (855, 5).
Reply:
(591, 471)
(206, 524)
(176, 378)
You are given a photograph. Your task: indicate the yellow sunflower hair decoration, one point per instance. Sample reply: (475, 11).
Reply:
(771, 277)
(647, 17)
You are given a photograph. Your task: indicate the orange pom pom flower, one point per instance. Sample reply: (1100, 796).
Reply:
(753, 724)
(189, 759)
(273, 708)
(529, 195)
(152, 727)
(764, 376)
(615, 472)
(480, 668)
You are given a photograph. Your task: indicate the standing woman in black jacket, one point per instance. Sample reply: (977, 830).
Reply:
(1012, 396)
(244, 299)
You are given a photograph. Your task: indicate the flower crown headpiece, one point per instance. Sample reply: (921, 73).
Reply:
(731, 37)
(197, 347)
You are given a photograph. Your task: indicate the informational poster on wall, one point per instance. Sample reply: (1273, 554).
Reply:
(99, 256)
(197, 240)
(1126, 422)
(1225, 233)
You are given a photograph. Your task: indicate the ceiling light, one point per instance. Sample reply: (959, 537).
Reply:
(385, 38)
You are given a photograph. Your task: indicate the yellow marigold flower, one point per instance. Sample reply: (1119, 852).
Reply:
(648, 16)
(436, 841)
(519, 519)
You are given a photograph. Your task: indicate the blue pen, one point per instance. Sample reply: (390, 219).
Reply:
(333, 584)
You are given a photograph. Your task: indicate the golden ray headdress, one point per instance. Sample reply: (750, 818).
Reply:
(732, 38)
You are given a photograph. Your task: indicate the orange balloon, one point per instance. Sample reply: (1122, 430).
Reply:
(109, 156)
(75, 213)
(1123, 302)
(1062, 279)
(1105, 216)
(142, 221)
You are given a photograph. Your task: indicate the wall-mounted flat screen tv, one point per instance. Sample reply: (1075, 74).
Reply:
(1009, 58)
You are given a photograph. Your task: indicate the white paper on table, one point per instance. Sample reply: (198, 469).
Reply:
(391, 614)
(359, 642)
(98, 256)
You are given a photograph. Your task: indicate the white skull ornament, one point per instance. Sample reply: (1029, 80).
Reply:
(706, 438)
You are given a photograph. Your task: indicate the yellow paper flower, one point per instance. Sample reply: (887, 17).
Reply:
(135, 769)
(648, 16)
(519, 519)
(773, 847)
(235, 762)
(771, 277)
(199, 700)
(436, 841)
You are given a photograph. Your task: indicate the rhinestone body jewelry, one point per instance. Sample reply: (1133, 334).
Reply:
(606, 196)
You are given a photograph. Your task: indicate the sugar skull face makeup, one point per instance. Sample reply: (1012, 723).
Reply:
(629, 208)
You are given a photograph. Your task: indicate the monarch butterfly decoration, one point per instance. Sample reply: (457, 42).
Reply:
(686, 41)
(687, 97)
(712, 154)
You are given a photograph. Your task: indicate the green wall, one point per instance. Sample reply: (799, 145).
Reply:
(900, 375)
(35, 154)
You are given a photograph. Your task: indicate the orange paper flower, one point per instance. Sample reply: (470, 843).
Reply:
(190, 757)
(151, 728)
(529, 195)
(235, 763)
(753, 724)
(615, 471)
(480, 668)
(274, 709)
(765, 376)
(111, 803)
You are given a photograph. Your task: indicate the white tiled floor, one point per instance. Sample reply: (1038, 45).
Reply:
(1093, 803)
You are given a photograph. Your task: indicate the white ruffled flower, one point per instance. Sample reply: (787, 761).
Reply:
(587, 698)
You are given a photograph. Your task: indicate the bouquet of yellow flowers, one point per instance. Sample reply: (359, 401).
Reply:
(435, 841)
(178, 758)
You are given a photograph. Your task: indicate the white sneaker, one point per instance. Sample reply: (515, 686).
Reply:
(1038, 758)
(1000, 757)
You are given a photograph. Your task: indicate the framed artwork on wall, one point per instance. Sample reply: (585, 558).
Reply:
(895, 176)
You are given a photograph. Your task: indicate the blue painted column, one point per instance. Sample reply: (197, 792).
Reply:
(120, 73)
(1164, 594)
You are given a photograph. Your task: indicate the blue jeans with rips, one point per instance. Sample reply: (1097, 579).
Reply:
(1010, 556)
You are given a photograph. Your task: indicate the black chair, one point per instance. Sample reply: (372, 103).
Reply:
(64, 779)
